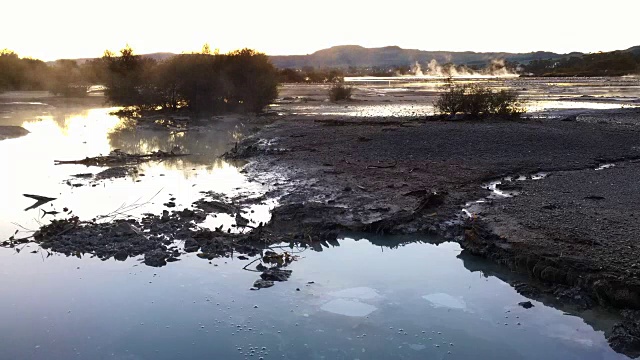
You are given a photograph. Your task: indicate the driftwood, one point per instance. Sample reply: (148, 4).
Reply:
(118, 157)
(40, 200)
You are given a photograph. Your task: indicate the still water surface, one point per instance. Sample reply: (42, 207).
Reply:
(373, 298)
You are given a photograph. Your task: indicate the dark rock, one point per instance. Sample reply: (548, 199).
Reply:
(261, 284)
(191, 245)
(625, 338)
(275, 274)
(121, 255)
(156, 258)
(526, 304)
(170, 204)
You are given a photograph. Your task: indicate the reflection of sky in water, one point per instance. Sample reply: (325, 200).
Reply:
(63, 308)
(55, 134)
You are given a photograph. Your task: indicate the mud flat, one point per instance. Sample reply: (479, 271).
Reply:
(574, 231)
(10, 132)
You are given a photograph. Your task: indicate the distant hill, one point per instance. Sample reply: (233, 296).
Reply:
(354, 55)
(634, 50)
(159, 56)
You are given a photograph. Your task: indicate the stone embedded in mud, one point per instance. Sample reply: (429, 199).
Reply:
(526, 304)
(121, 255)
(191, 245)
(262, 284)
(156, 258)
(275, 274)
(625, 338)
(123, 228)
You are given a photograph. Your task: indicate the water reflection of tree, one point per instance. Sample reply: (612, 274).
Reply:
(382, 241)
(205, 144)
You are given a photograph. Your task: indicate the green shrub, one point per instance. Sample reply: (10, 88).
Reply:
(476, 100)
(338, 91)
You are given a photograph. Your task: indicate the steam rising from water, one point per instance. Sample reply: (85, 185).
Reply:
(497, 68)
(417, 69)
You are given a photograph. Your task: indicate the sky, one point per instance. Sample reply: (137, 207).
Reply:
(49, 30)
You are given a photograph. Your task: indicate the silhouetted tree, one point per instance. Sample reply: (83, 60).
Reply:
(66, 79)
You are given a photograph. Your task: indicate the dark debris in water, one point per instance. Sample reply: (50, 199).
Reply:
(120, 158)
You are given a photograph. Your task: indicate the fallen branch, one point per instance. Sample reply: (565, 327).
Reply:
(118, 157)
(40, 200)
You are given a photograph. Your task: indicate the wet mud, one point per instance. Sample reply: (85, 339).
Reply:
(572, 232)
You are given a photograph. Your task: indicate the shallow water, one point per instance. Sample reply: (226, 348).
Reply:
(380, 298)
(75, 133)
(400, 300)
(409, 97)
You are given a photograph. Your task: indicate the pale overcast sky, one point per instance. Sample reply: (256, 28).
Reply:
(70, 29)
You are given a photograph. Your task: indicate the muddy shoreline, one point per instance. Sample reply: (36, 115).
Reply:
(572, 232)
(415, 176)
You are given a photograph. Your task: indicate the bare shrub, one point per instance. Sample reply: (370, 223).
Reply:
(477, 100)
(338, 91)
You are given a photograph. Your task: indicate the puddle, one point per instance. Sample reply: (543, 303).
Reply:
(413, 301)
(72, 134)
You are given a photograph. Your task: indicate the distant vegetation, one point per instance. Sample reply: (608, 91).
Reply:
(476, 100)
(242, 80)
(212, 82)
(339, 91)
(21, 74)
(615, 63)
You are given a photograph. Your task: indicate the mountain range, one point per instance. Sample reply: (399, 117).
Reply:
(358, 56)
(353, 55)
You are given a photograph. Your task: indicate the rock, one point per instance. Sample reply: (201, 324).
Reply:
(191, 245)
(625, 338)
(526, 304)
(261, 284)
(155, 258)
(170, 204)
(275, 274)
(121, 255)
(570, 118)
(125, 229)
